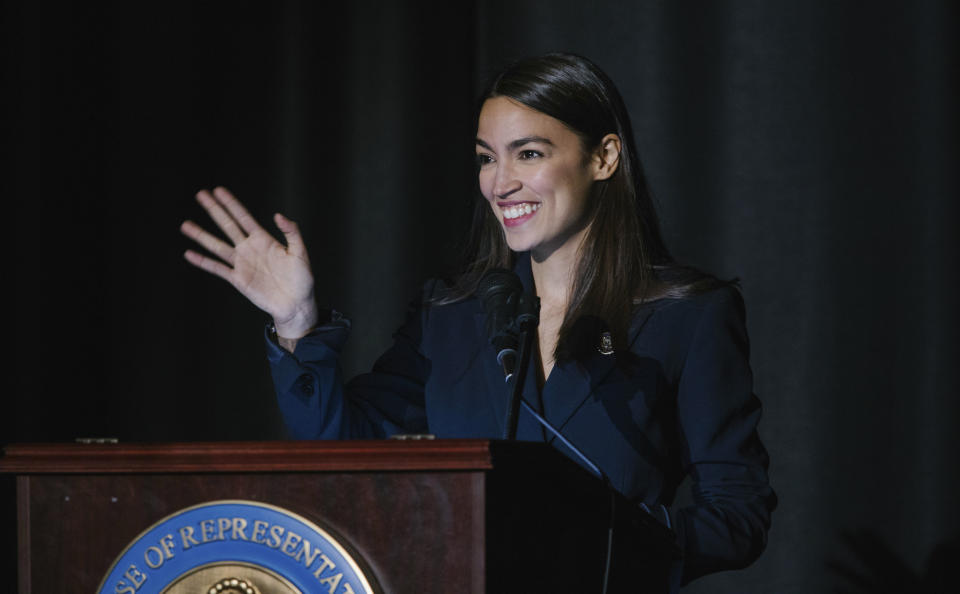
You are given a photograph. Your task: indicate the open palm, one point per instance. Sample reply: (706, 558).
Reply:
(274, 277)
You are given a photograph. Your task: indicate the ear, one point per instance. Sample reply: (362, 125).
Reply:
(606, 158)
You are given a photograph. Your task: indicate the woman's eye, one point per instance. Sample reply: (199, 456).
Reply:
(484, 160)
(530, 154)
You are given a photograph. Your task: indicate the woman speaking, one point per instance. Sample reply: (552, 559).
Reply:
(641, 363)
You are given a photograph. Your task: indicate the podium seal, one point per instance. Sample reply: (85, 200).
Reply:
(237, 547)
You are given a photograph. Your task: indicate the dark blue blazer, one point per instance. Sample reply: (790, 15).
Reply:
(678, 403)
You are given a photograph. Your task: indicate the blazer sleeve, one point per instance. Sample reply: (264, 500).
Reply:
(726, 527)
(315, 402)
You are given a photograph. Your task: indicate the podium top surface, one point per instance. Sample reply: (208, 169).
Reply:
(260, 456)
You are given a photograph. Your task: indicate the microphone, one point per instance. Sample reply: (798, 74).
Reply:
(511, 319)
(500, 294)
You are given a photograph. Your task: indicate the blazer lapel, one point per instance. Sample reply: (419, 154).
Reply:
(496, 387)
(498, 390)
(571, 384)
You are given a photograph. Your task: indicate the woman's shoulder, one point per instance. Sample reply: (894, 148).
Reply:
(440, 291)
(442, 300)
(723, 297)
(670, 329)
(679, 318)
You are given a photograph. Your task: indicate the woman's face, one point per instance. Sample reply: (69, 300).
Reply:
(535, 175)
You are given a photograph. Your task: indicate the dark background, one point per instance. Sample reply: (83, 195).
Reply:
(808, 148)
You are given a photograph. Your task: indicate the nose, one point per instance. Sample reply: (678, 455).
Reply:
(505, 183)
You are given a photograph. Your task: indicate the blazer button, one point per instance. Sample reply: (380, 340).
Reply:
(304, 385)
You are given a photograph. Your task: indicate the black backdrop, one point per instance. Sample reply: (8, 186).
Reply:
(809, 148)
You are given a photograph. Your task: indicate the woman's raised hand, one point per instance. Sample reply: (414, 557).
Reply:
(274, 277)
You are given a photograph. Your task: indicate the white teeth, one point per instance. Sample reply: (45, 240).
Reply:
(512, 212)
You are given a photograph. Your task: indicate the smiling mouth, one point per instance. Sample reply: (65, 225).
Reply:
(515, 211)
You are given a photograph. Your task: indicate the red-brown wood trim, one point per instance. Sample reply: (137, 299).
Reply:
(261, 456)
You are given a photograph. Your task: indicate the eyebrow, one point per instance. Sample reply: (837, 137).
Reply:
(518, 142)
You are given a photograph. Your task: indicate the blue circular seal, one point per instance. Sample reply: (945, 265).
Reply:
(243, 547)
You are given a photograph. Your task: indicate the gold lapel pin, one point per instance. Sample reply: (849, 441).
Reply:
(606, 344)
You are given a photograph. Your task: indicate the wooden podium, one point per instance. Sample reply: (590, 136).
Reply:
(444, 516)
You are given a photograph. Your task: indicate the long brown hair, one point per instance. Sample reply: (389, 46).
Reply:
(623, 259)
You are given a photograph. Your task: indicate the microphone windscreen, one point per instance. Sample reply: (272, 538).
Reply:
(498, 284)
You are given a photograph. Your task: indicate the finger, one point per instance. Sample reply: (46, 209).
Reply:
(291, 232)
(210, 265)
(221, 217)
(236, 210)
(211, 243)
